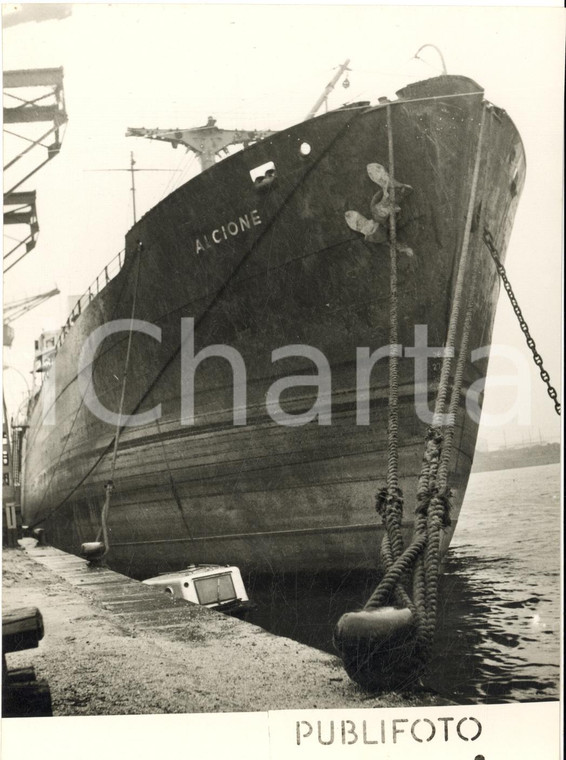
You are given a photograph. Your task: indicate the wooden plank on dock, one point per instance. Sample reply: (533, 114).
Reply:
(26, 699)
(22, 628)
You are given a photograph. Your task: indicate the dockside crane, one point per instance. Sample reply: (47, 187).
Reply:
(32, 97)
(16, 309)
(33, 114)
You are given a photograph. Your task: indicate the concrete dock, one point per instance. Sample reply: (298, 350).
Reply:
(114, 646)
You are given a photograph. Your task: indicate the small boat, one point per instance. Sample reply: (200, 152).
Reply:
(218, 587)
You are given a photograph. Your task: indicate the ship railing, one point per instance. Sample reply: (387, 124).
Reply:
(101, 281)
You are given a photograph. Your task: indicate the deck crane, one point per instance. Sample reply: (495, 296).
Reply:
(210, 141)
(328, 89)
(206, 142)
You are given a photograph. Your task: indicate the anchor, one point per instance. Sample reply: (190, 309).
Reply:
(382, 205)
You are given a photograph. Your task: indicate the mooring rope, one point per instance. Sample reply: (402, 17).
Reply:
(109, 485)
(436, 502)
(393, 507)
(433, 495)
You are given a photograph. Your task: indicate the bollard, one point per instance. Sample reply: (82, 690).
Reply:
(39, 534)
(10, 535)
(93, 551)
(379, 649)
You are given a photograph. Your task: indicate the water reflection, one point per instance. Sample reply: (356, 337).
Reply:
(490, 643)
(497, 641)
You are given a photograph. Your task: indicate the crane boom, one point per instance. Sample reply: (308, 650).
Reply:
(16, 309)
(206, 142)
(328, 89)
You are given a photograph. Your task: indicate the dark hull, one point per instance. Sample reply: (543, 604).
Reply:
(262, 495)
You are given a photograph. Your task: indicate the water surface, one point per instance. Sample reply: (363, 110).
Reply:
(498, 637)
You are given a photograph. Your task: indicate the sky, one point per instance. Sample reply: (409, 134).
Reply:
(263, 67)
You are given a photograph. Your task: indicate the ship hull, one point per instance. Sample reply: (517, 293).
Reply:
(257, 267)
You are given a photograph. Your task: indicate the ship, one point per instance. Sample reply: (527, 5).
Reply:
(213, 382)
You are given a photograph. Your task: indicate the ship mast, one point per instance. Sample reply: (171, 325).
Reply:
(132, 171)
(133, 188)
(328, 89)
(206, 142)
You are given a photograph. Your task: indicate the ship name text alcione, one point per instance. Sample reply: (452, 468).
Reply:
(227, 230)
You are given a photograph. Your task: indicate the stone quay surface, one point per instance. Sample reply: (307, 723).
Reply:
(114, 646)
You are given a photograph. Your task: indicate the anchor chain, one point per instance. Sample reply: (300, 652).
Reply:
(490, 244)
